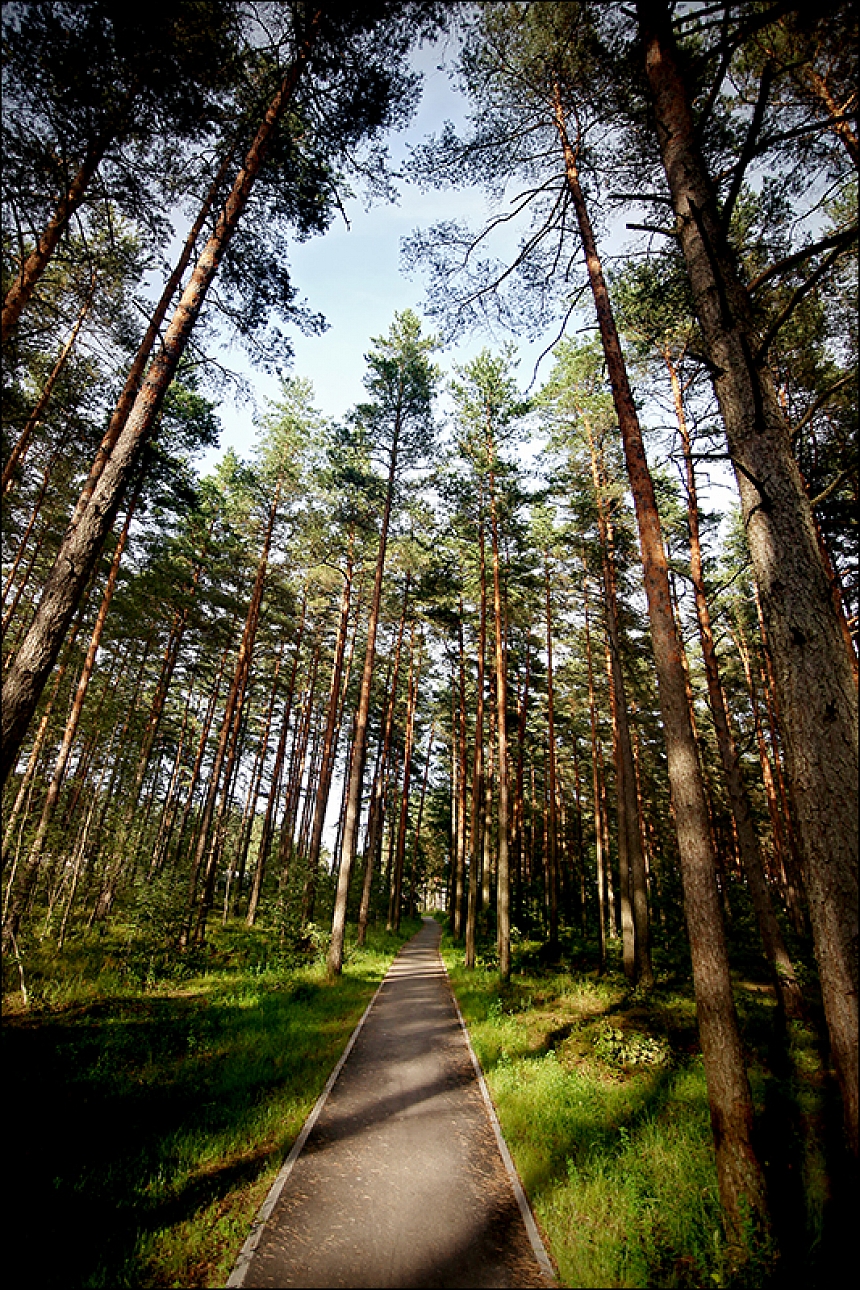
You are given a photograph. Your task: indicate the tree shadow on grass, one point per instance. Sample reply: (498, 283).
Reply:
(112, 1109)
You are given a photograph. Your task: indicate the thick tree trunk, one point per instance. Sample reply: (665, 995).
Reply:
(80, 548)
(21, 898)
(785, 981)
(741, 1180)
(814, 674)
(39, 741)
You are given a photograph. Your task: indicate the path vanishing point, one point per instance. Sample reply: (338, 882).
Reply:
(400, 1176)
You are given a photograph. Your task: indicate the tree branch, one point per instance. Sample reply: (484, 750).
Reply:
(819, 402)
(843, 238)
(748, 150)
(655, 228)
(832, 486)
(797, 296)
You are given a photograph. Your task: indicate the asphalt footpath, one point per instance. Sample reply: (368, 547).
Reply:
(401, 1177)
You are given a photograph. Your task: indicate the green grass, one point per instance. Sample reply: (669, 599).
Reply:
(145, 1123)
(601, 1097)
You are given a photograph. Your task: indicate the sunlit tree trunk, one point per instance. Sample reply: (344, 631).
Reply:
(403, 823)
(329, 748)
(376, 818)
(813, 669)
(741, 1180)
(477, 824)
(785, 981)
(356, 772)
(80, 548)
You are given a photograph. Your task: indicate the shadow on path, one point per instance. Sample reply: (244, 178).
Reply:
(401, 1182)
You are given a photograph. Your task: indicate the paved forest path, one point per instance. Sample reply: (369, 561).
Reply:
(401, 1181)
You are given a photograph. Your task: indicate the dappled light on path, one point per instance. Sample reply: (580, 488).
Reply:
(400, 1182)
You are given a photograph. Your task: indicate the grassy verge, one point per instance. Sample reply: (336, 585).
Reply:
(145, 1124)
(601, 1097)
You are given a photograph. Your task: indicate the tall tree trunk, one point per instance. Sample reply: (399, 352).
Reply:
(39, 741)
(598, 810)
(277, 771)
(171, 797)
(356, 772)
(785, 981)
(329, 749)
(373, 840)
(26, 280)
(478, 823)
(17, 905)
(814, 674)
(22, 443)
(636, 938)
(236, 870)
(552, 864)
(413, 883)
(80, 548)
(228, 724)
(741, 1180)
(400, 851)
(459, 890)
(115, 866)
(503, 877)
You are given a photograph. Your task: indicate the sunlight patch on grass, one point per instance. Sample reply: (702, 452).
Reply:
(155, 1120)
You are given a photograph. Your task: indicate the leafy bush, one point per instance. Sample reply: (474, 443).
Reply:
(621, 1048)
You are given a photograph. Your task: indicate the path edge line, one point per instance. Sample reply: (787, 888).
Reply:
(240, 1269)
(534, 1235)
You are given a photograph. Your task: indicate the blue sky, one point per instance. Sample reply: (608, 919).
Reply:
(353, 277)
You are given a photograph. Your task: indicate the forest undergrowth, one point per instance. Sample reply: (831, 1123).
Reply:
(151, 1111)
(601, 1095)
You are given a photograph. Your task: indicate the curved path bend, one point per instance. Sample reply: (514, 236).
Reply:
(399, 1177)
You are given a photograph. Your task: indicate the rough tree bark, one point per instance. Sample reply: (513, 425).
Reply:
(813, 671)
(741, 1180)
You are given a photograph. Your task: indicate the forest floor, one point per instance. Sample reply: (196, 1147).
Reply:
(146, 1119)
(149, 1109)
(601, 1097)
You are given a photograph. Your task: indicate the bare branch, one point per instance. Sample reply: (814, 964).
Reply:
(833, 485)
(654, 228)
(748, 150)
